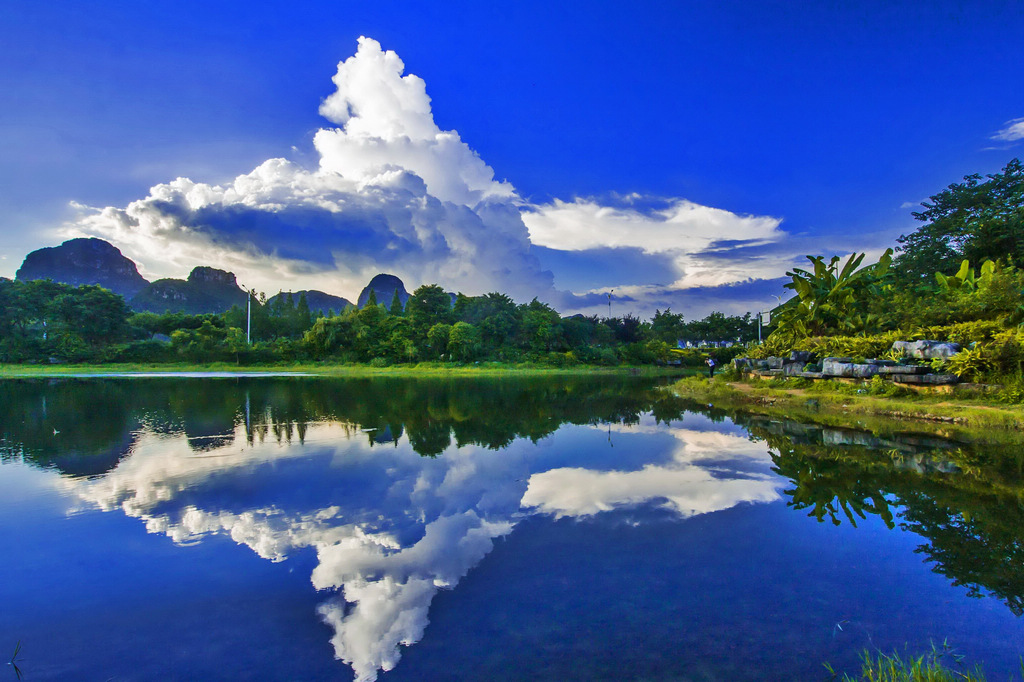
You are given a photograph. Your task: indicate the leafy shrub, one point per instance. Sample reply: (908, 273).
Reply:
(70, 347)
(880, 387)
(961, 332)
(971, 363)
(140, 351)
(636, 354)
(697, 357)
(556, 359)
(1013, 392)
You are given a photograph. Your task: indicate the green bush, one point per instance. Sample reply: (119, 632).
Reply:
(140, 351)
(555, 359)
(1013, 391)
(961, 332)
(697, 357)
(880, 387)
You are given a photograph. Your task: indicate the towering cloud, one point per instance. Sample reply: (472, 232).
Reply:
(394, 192)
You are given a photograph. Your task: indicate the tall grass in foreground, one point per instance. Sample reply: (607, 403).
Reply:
(928, 667)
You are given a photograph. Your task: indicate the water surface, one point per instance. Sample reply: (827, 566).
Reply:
(490, 529)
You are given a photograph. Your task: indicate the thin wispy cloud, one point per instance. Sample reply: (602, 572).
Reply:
(1011, 131)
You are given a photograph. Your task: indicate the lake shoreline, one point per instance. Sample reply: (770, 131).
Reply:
(222, 369)
(960, 419)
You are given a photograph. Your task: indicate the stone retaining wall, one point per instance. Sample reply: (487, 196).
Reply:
(845, 368)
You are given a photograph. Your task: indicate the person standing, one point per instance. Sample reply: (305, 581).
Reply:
(711, 367)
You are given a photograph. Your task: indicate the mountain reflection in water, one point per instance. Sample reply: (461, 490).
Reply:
(402, 486)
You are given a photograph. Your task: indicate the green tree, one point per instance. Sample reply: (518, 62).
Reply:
(304, 315)
(541, 327)
(437, 339)
(667, 326)
(371, 332)
(427, 306)
(399, 345)
(331, 335)
(91, 312)
(208, 342)
(464, 341)
(396, 305)
(974, 220)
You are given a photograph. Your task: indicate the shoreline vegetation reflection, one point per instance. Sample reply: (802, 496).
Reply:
(402, 486)
(965, 500)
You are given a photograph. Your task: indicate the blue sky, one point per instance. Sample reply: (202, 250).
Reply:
(683, 154)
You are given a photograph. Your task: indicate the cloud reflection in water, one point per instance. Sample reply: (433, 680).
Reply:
(391, 528)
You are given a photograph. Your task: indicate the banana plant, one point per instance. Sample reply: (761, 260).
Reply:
(832, 298)
(965, 279)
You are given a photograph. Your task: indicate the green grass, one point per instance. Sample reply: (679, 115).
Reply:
(929, 667)
(944, 415)
(332, 369)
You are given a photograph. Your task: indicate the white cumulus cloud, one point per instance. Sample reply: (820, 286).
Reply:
(392, 192)
(682, 229)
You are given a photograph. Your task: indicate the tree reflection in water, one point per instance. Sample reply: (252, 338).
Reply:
(401, 486)
(966, 501)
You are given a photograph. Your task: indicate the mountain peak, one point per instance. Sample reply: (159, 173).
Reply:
(207, 275)
(84, 261)
(384, 287)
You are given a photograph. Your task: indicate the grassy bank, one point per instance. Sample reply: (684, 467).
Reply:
(11, 371)
(973, 419)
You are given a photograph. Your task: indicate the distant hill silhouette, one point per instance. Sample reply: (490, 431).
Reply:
(317, 301)
(84, 261)
(207, 290)
(384, 286)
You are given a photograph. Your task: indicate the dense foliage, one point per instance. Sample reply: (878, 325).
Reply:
(46, 322)
(42, 318)
(954, 279)
(974, 220)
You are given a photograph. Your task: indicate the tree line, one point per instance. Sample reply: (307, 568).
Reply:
(961, 267)
(44, 321)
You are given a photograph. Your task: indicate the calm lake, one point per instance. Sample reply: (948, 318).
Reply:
(484, 529)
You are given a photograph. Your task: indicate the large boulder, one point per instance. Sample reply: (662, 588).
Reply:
(790, 369)
(926, 379)
(865, 371)
(904, 369)
(926, 350)
(842, 367)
